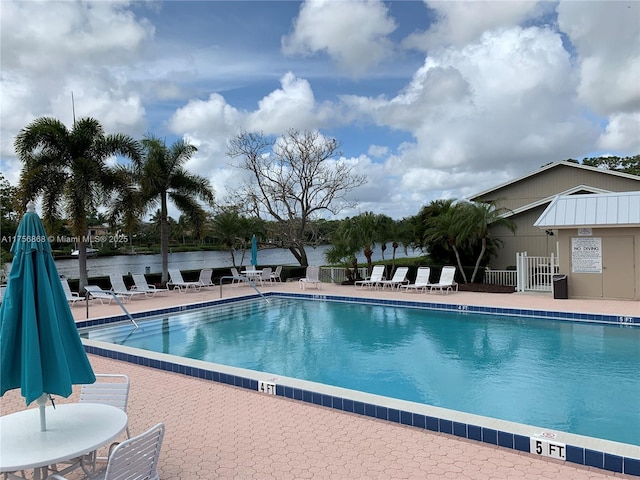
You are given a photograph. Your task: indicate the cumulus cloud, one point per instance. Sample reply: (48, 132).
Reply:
(488, 95)
(606, 38)
(462, 22)
(291, 105)
(354, 33)
(51, 49)
(493, 104)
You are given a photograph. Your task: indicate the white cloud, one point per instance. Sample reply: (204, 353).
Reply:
(353, 33)
(493, 99)
(462, 22)
(606, 36)
(377, 151)
(495, 104)
(292, 105)
(51, 49)
(622, 133)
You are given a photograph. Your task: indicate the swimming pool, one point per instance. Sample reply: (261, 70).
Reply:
(559, 375)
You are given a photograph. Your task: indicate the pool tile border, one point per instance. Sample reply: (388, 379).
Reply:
(574, 454)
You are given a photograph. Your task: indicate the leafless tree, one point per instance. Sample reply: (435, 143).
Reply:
(294, 178)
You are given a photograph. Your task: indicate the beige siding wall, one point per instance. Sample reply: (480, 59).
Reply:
(620, 276)
(556, 180)
(528, 238)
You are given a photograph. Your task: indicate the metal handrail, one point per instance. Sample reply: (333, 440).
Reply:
(115, 297)
(244, 279)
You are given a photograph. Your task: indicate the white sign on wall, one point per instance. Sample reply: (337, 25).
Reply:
(586, 255)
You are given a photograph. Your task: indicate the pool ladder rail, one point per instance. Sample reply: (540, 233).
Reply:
(115, 297)
(243, 279)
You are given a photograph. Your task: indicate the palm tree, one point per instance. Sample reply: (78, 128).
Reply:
(233, 230)
(68, 169)
(482, 216)
(449, 229)
(359, 232)
(162, 177)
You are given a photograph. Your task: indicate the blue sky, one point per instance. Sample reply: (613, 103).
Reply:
(429, 100)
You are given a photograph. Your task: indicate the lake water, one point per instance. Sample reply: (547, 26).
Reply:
(122, 264)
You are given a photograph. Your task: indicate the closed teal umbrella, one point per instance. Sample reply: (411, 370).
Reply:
(40, 348)
(254, 251)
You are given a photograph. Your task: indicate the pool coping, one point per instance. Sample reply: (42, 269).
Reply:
(589, 451)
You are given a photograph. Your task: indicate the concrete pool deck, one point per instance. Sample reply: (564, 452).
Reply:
(220, 431)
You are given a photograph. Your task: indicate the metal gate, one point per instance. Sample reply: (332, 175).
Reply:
(535, 273)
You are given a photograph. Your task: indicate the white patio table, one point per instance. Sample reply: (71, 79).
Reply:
(251, 274)
(73, 430)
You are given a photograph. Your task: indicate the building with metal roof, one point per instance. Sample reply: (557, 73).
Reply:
(598, 243)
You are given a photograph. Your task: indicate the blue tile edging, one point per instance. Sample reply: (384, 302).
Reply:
(574, 454)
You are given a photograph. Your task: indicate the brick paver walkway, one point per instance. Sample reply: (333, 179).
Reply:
(216, 431)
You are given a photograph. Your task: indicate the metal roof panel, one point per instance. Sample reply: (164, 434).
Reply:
(592, 210)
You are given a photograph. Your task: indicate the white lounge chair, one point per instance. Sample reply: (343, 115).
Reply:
(399, 278)
(133, 459)
(312, 278)
(421, 283)
(118, 286)
(275, 276)
(175, 279)
(141, 285)
(96, 292)
(377, 275)
(206, 279)
(72, 297)
(446, 283)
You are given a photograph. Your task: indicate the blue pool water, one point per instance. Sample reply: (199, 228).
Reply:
(569, 376)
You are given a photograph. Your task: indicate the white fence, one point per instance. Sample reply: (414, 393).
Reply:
(336, 274)
(501, 277)
(531, 274)
(536, 273)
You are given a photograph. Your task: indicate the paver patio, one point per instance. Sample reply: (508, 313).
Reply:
(220, 431)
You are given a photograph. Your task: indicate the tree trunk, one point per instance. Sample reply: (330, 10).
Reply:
(368, 253)
(482, 250)
(464, 276)
(164, 239)
(299, 252)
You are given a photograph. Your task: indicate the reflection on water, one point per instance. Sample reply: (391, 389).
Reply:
(122, 264)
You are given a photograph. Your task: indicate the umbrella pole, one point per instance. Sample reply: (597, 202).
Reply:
(42, 402)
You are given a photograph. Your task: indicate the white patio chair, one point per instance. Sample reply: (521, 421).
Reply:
(110, 389)
(118, 286)
(312, 278)
(206, 277)
(133, 459)
(141, 285)
(275, 276)
(237, 278)
(175, 279)
(265, 276)
(72, 297)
